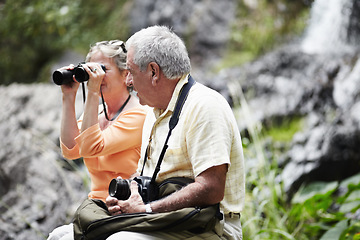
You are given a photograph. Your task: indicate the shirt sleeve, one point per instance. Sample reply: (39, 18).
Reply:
(68, 153)
(117, 137)
(210, 136)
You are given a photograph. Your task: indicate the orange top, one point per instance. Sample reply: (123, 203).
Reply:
(110, 153)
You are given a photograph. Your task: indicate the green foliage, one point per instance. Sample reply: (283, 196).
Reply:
(317, 210)
(320, 210)
(263, 26)
(325, 213)
(36, 32)
(314, 191)
(283, 130)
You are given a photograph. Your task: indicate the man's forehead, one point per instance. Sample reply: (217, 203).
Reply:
(129, 64)
(129, 58)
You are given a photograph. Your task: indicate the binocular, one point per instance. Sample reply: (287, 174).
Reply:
(61, 77)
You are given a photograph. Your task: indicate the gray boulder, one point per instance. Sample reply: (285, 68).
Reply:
(204, 25)
(38, 190)
(324, 90)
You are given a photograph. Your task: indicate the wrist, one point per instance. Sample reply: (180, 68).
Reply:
(68, 96)
(94, 90)
(148, 208)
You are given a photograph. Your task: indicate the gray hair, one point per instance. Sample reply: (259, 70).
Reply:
(114, 49)
(161, 45)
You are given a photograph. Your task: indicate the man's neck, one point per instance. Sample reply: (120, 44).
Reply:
(169, 91)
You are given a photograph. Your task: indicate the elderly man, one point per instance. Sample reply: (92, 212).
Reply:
(205, 145)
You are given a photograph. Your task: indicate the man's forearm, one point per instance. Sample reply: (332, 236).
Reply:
(207, 189)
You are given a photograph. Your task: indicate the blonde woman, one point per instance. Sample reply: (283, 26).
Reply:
(108, 137)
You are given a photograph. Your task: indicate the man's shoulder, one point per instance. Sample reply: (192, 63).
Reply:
(201, 94)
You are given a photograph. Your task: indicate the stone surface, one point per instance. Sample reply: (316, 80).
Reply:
(324, 90)
(38, 190)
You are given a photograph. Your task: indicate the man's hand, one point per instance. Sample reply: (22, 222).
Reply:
(132, 205)
(112, 205)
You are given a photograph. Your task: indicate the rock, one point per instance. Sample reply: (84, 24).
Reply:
(324, 90)
(37, 193)
(204, 25)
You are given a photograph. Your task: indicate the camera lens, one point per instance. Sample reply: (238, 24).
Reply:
(119, 188)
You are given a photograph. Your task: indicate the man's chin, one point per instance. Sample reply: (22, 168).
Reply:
(141, 101)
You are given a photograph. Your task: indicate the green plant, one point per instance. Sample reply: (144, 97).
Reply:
(328, 214)
(261, 26)
(285, 129)
(320, 210)
(34, 33)
(265, 214)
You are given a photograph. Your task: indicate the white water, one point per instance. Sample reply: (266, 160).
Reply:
(327, 28)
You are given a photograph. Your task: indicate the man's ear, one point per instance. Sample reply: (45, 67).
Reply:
(155, 72)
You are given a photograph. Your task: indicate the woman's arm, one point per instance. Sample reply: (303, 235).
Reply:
(69, 128)
(96, 75)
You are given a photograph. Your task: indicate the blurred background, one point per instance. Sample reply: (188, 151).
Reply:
(289, 69)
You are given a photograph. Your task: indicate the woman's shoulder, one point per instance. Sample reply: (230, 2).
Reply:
(139, 110)
(133, 106)
(142, 110)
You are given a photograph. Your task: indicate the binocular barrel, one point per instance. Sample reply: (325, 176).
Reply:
(61, 77)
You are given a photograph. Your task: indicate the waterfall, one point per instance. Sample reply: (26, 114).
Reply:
(328, 29)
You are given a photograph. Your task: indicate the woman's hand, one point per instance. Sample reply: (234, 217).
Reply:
(72, 87)
(96, 75)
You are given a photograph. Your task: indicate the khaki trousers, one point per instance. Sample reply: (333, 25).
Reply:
(230, 229)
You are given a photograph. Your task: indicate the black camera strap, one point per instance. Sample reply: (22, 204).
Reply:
(184, 92)
(83, 91)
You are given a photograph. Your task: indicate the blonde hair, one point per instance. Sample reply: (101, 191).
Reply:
(114, 49)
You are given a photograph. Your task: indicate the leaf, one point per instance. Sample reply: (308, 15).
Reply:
(279, 232)
(349, 206)
(354, 195)
(353, 180)
(314, 189)
(356, 236)
(335, 232)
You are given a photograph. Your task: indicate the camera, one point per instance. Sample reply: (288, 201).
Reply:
(120, 188)
(61, 77)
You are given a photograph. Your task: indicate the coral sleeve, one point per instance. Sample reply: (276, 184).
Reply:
(116, 138)
(70, 154)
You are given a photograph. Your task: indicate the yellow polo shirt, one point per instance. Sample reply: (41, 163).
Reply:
(205, 136)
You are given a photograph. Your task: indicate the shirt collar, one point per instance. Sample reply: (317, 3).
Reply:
(171, 106)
